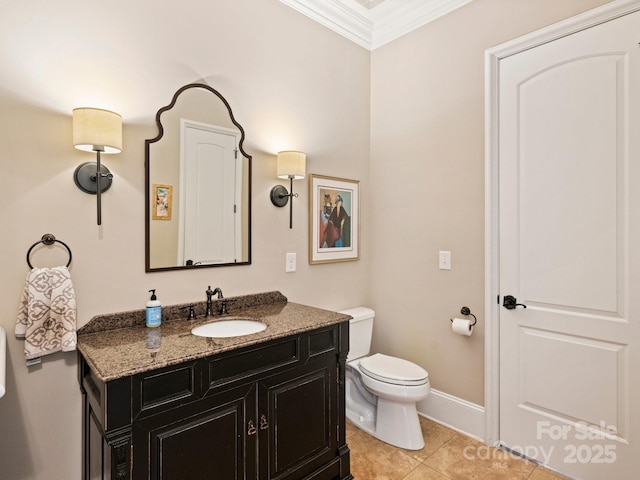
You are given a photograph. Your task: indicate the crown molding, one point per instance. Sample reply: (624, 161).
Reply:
(372, 28)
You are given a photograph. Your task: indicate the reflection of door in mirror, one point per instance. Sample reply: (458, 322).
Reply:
(210, 186)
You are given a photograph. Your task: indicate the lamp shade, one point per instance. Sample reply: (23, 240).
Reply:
(291, 164)
(95, 129)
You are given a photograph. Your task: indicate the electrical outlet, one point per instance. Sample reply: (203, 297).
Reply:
(290, 265)
(444, 260)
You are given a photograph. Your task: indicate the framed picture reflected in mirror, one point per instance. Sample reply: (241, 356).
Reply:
(162, 200)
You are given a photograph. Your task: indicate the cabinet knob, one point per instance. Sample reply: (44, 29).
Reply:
(264, 424)
(251, 428)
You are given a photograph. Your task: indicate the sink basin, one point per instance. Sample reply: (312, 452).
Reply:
(232, 327)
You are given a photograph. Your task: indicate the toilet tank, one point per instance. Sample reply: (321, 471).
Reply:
(360, 331)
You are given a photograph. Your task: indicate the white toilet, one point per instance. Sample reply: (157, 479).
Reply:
(382, 391)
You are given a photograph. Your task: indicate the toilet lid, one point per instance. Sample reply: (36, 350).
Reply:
(393, 370)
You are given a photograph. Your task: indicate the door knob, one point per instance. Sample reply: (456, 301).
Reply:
(510, 302)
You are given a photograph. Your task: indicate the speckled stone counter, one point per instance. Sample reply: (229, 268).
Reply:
(120, 344)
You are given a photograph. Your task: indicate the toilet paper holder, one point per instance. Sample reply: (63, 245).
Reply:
(467, 311)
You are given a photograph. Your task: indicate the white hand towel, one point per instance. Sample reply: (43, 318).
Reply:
(47, 315)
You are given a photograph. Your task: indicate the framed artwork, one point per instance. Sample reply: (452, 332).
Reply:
(334, 231)
(162, 199)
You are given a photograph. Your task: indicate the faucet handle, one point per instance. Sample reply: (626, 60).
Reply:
(192, 312)
(224, 304)
(223, 308)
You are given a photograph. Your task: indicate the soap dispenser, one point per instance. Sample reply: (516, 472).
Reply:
(154, 310)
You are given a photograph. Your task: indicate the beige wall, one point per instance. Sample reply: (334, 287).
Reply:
(292, 84)
(427, 179)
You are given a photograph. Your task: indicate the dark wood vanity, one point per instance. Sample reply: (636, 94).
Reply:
(269, 406)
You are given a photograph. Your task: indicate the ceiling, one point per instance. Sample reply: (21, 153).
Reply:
(372, 23)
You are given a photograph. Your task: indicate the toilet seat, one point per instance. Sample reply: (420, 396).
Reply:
(395, 371)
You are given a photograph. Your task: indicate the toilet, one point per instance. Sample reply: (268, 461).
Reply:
(382, 391)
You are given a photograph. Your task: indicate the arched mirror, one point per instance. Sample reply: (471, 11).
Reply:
(198, 185)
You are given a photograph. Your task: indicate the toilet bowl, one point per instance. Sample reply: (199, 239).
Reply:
(381, 390)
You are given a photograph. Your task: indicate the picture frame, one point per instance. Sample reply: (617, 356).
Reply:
(334, 219)
(161, 202)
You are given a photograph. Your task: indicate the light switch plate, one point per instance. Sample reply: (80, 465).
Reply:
(444, 260)
(290, 265)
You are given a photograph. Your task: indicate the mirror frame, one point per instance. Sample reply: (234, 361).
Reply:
(147, 176)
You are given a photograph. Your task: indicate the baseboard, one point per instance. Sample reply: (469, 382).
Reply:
(453, 412)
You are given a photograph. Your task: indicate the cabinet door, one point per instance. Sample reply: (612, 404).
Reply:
(198, 442)
(297, 425)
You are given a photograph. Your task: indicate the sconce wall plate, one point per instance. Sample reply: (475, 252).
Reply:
(279, 196)
(85, 177)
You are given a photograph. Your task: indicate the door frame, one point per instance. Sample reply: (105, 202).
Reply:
(493, 56)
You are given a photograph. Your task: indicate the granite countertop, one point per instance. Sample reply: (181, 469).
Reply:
(119, 345)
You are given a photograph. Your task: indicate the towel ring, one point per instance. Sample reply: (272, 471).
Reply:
(48, 239)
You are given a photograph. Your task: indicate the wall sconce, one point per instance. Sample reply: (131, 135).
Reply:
(100, 131)
(291, 165)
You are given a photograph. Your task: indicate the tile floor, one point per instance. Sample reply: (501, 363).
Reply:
(447, 455)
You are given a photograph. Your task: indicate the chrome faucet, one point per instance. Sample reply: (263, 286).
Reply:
(210, 293)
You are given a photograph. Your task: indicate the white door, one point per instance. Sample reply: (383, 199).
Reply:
(208, 230)
(569, 202)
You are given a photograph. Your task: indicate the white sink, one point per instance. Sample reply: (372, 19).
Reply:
(233, 327)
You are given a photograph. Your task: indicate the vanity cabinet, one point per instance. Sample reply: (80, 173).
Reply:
(273, 410)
